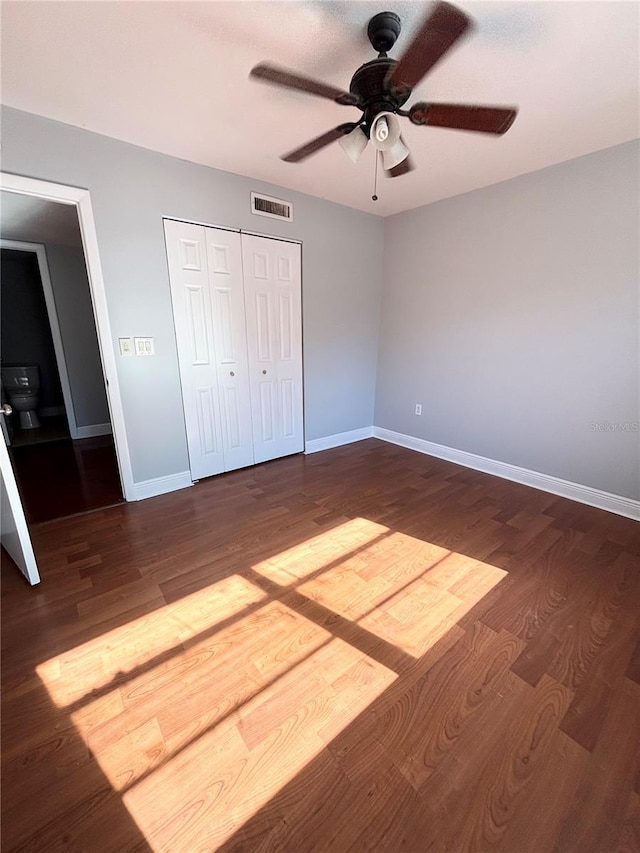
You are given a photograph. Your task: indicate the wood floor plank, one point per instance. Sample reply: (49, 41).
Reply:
(502, 787)
(630, 834)
(435, 714)
(597, 815)
(589, 710)
(633, 670)
(553, 788)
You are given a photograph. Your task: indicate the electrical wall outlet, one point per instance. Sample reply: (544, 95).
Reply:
(126, 346)
(144, 346)
(418, 408)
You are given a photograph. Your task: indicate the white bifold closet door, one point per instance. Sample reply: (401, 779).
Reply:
(239, 345)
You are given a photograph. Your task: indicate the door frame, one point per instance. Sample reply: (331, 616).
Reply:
(81, 200)
(39, 250)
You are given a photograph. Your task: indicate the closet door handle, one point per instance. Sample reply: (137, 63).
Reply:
(264, 372)
(231, 373)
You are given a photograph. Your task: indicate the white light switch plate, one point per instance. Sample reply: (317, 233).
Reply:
(126, 346)
(144, 346)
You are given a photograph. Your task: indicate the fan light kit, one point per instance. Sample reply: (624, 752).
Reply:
(380, 89)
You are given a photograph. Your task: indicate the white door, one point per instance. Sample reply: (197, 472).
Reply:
(224, 257)
(205, 269)
(272, 285)
(14, 533)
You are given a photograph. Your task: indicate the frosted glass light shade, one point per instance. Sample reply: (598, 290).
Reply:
(393, 156)
(354, 143)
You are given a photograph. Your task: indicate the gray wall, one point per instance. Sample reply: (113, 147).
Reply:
(131, 189)
(77, 327)
(511, 314)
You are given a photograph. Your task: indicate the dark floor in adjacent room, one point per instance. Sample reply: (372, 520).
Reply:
(51, 429)
(59, 477)
(366, 649)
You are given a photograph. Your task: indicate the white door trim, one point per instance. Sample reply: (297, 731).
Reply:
(40, 252)
(230, 228)
(82, 200)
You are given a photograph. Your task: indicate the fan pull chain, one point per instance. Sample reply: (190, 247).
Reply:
(374, 197)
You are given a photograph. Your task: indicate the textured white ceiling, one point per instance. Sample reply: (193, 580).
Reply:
(173, 77)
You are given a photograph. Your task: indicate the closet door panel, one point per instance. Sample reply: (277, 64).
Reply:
(188, 272)
(262, 362)
(289, 318)
(227, 297)
(274, 337)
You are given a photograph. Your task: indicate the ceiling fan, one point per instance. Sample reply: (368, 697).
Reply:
(381, 87)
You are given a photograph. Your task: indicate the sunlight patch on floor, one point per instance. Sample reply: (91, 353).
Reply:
(407, 591)
(317, 553)
(200, 712)
(144, 641)
(151, 718)
(219, 782)
(198, 743)
(420, 614)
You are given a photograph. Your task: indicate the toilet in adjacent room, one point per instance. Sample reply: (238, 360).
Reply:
(22, 385)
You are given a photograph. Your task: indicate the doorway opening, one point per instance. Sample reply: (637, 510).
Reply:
(59, 433)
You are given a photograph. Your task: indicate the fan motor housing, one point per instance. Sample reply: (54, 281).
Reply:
(369, 85)
(383, 30)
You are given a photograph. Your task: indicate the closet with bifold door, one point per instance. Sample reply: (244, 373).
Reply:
(237, 312)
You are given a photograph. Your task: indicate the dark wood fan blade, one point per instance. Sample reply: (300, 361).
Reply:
(286, 78)
(319, 142)
(441, 29)
(464, 117)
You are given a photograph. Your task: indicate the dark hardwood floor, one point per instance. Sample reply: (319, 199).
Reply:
(51, 429)
(63, 477)
(366, 649)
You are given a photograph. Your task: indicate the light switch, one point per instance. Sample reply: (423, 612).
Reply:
(144, 346)
(126, 346)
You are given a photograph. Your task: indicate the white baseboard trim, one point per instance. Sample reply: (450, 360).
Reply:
(338, 439)
(93, 430)
(563, 488)
(161, 485)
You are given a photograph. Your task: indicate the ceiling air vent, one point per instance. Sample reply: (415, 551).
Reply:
(275, 208)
